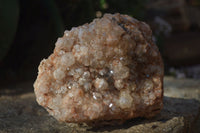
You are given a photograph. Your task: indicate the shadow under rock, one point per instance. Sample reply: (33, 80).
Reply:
(173, 107)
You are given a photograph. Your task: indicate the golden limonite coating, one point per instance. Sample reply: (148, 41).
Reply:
(107, 70)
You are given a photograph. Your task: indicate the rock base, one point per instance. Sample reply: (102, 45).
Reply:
(21, 114)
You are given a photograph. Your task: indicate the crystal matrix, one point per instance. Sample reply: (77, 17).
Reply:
(107, 70)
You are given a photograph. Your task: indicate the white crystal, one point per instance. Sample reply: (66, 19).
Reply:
(67, 59)
(59, 74)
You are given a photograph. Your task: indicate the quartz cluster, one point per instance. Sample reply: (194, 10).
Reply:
(107, 70)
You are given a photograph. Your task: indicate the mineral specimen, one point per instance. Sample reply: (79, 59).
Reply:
(107, 70)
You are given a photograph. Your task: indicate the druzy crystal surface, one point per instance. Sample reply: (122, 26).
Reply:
(107, 70)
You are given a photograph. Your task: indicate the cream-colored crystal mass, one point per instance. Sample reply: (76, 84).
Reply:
(107, 70)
